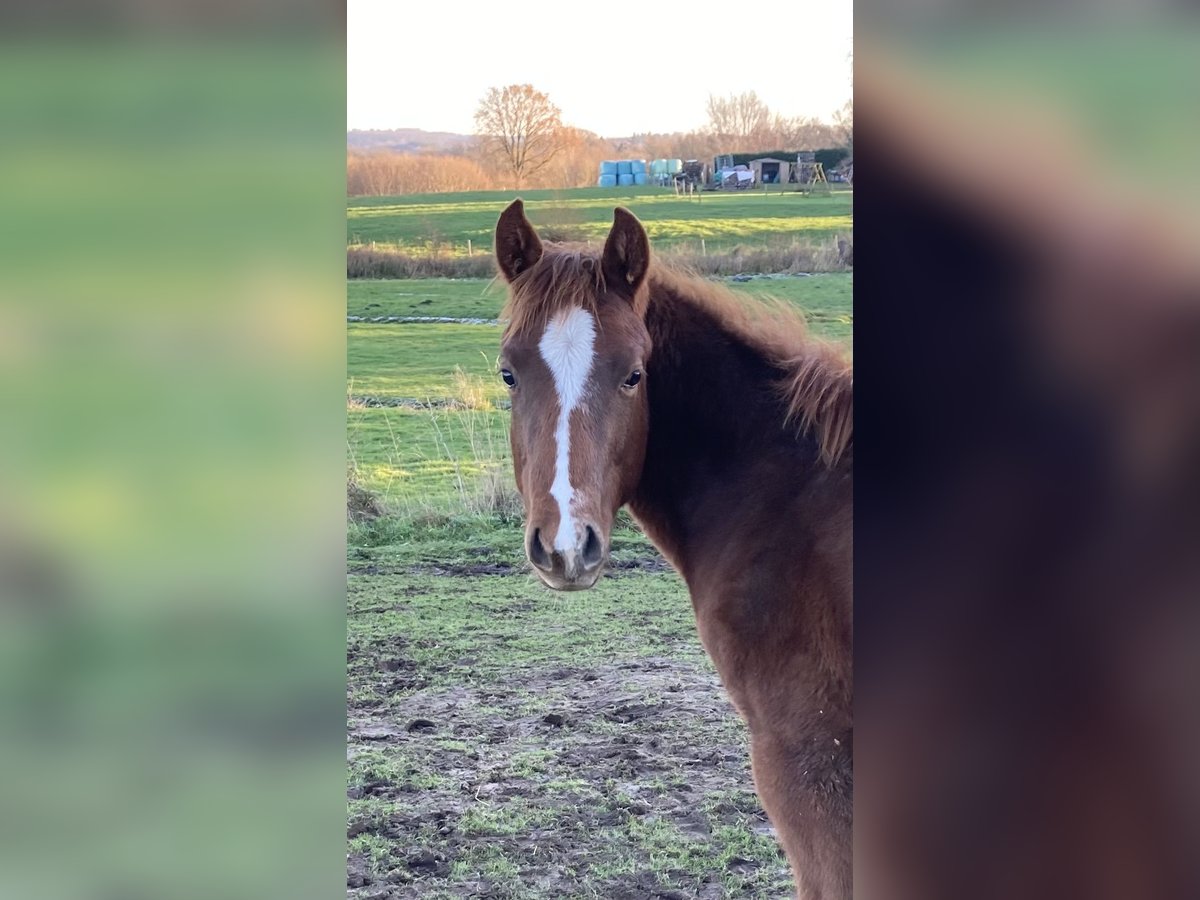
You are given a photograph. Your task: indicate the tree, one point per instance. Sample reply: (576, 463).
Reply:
(520, 127)
(799, 133)
(843, 120)
(579, 156)
(738, 117)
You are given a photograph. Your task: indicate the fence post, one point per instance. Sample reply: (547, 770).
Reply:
(468, 246)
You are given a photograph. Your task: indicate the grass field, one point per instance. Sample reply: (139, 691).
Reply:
(506, 741)
(825, 299)
(421, 223)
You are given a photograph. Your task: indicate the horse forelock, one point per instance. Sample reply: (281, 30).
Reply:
(561, 280)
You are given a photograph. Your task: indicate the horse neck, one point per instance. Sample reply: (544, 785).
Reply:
(717, 423)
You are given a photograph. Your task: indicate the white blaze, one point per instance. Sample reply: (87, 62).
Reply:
(566, 347)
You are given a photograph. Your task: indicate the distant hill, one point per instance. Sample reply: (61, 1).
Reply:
(406, 140)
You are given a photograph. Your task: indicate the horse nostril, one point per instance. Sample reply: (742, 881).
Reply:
(593, 550)
(537, 553)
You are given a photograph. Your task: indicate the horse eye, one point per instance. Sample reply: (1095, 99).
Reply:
(508, 378)
(634, 377)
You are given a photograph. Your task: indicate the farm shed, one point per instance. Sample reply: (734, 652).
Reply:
(769, 170)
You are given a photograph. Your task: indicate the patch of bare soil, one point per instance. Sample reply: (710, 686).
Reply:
(619, 781)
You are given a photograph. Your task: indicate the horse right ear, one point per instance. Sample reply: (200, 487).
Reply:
(626, 256)
(517, 244)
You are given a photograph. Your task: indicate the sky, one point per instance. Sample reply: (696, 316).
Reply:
(613, 68)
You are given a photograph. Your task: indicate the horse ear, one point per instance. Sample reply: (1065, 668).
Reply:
(517, 244)
(626, 253)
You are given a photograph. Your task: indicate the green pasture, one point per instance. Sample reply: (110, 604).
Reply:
(417, 361)
(724, 221)
(827, 299)
(460, 298)
(415, 460)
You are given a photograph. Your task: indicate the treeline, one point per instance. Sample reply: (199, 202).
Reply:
(521, 141)
(799, 134)
(376, 173)
(383, 173)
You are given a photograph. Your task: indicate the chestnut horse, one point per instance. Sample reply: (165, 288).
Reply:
(727, 430)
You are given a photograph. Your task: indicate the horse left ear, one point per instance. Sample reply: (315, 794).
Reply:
(626, 256)
(517, 244)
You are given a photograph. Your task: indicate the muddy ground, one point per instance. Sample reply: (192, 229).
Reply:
(507, 741)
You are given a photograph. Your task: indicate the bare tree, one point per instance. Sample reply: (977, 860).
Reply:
(578, 159)
(800, 133)
(739, 116)
(521, 127)
(843, 121)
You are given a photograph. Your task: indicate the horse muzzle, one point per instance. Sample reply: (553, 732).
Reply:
(571, 569)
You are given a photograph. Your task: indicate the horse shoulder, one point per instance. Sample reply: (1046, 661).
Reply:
(783, 653)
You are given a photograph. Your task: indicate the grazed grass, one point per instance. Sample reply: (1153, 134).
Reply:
(443, 630)
(488, 863)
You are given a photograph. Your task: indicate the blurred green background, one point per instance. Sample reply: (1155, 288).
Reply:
(172, 626)
(1122, 81)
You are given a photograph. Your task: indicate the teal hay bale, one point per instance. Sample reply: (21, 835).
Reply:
(638, 166)
(625, 167)
(608, 167)
(659, 167)
(639, 177)
(674, 166)
(607, 180)
(625, 179)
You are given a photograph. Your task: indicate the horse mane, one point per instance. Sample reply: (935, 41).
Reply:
(815, 383)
